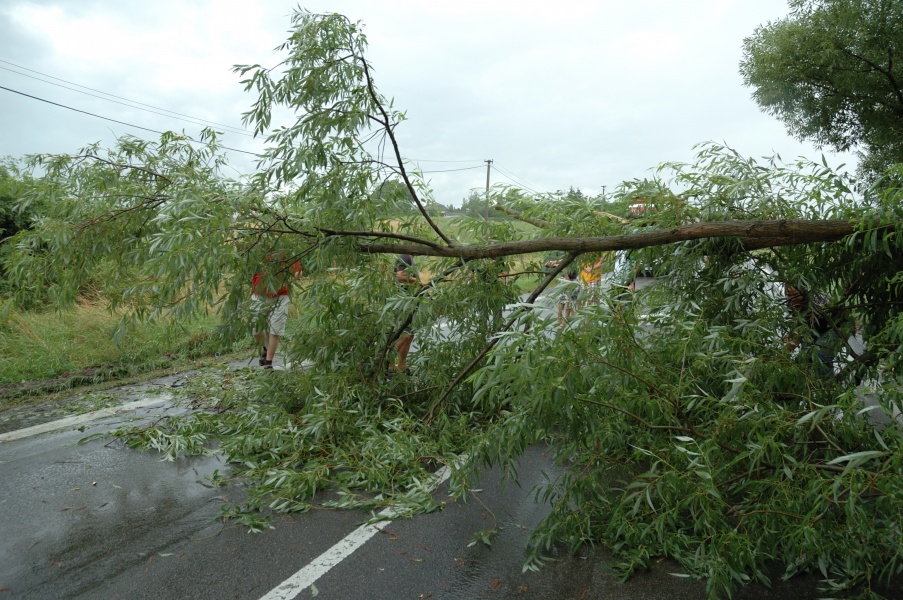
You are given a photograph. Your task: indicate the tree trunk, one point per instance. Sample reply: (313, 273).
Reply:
(751, 235)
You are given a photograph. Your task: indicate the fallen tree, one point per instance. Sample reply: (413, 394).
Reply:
(750, 235)
(692, 419)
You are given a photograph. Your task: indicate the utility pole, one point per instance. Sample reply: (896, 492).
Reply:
(488, 166)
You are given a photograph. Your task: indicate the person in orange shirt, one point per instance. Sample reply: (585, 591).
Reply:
(273, 303)
(591, 278)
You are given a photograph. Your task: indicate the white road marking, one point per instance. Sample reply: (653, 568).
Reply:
(303, 579)
(85, 418)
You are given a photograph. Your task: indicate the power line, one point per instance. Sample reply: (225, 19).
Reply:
(172, 114)
(514, 179)
(78, 110)
(522, 183)
(108, 118)
(444, 161)
(451, 170)
(160, 132)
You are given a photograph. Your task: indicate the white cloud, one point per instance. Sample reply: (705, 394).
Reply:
(562, 94)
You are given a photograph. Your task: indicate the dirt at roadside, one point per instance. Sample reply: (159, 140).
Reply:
(68, 381)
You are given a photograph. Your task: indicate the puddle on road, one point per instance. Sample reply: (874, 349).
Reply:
(120, 508)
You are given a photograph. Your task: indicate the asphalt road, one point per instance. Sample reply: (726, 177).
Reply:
(100, 521)
(97, 520)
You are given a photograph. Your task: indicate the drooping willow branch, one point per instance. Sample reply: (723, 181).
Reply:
(542, 224)
(409, 318)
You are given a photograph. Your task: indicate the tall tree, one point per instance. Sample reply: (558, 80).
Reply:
(693, 419)
(396, 196)
(832, 71)
(476, 205)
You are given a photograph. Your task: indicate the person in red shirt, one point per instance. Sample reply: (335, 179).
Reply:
(272, 303)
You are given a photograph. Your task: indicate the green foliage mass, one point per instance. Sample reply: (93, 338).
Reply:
(15, 215)
(12, 219)
(693, 419)
(832, 71)
(290, 438)
(687, 427)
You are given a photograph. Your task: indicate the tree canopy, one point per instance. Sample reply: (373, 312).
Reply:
(692, 419)
(15, 215)
(832, 71)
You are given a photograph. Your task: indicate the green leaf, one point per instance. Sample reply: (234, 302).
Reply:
(857, 457)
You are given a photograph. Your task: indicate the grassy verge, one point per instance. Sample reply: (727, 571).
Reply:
(53, 352)
(44, 352)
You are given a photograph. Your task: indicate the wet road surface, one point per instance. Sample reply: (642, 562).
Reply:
(97, 520)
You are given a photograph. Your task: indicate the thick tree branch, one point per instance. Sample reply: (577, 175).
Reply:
(751, 234)
(379, 234)
(887, 73)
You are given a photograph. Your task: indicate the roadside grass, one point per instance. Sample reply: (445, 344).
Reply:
(41, 346)
(47, 353)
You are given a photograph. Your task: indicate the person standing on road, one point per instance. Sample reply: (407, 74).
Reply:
(567, 300)
(816, 338)
(406, 277)
(272, 304)
(591, 278)
(570, 292)
(492, 273)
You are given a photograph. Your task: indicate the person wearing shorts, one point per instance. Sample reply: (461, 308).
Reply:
(591, 279)
(273, 304)
(570, 292)
(567, 300)
(405, 276)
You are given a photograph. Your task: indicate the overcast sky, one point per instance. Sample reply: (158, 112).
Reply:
(570, 93)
